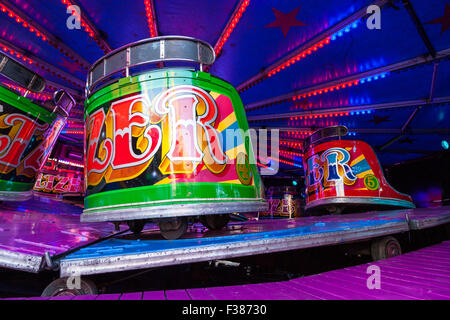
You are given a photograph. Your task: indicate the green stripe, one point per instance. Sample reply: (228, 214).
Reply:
(173, 191)
(26, 105)
(125, 206)
(15, 186)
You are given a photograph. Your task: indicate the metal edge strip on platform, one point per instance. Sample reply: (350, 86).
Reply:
(16, 195)
(20, 261)
(87, 266)
(429, 222)
(361, 200)
(174, 210)
(423, 285)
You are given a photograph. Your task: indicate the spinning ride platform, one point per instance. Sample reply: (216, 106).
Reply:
(45, 234)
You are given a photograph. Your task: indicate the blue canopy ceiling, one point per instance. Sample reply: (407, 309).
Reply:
(398, 68)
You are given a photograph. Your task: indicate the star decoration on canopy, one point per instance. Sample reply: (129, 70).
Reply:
(378, 120)
(285, 21)
(444, 20)
(71, 66)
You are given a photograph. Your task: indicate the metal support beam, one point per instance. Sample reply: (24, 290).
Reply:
(407, 151)
(394, 131)
(433, 80)
(389, 105)
(412, 13)
(402, 130)
(288, 140)
(390, 68)
(371, 130)
(389, 143)
(410, 118)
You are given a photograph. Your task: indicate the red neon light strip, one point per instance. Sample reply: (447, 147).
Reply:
(73, 132)
(286, 149)
(20, 20)
(286, 162)
(70, 163)
(16, 54)
(326, 90)
(290, 156)
(150, 18)
(230, 26)
(291, 144)
(297, 134)
(314, 93)
(261, 165)
(33, 95)
(288, 153)
(323, 115)
(299, 56)
(70, 171)
(33, 28)
(289, 63)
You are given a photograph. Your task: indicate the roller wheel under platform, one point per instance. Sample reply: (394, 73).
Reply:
(383, 248)
(70, 287)
(173, 228)
(216, 221)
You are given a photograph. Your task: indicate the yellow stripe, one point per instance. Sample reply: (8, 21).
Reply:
(362, 174)
(164, 181)
(231, 181)
(360, 158)
(228, 121)
(225, 123)
(168, 180)
(214, 94)
(232, 153)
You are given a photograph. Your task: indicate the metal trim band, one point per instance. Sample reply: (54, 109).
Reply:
(150, 203)
(115, 263)
(175, 210)
(153, 50)
(361, 200)
(15, 196)
(20, 75)
(20, 261)
(323, 133)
